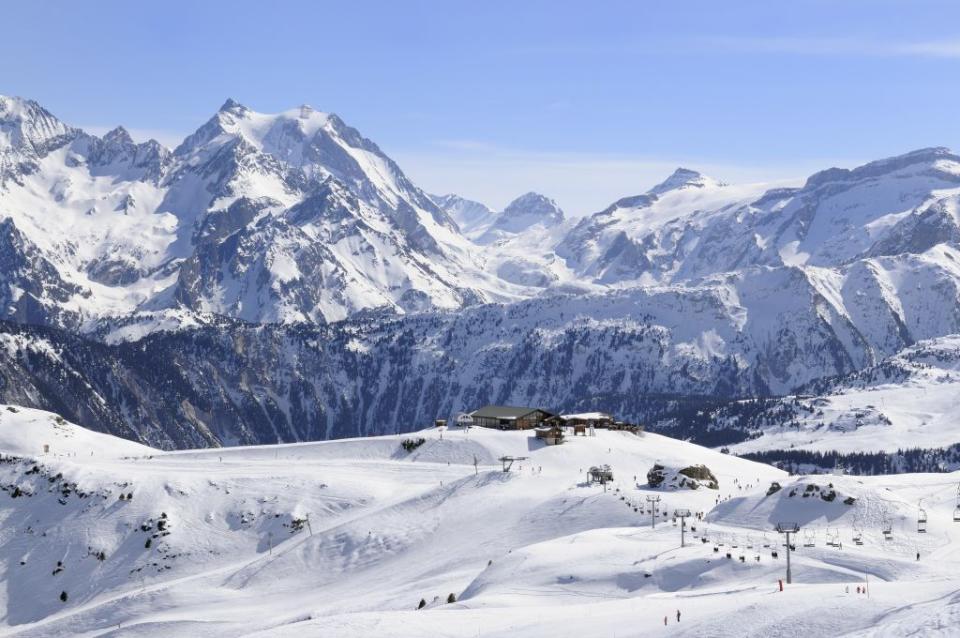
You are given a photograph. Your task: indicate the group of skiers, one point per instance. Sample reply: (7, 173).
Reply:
(666, 618)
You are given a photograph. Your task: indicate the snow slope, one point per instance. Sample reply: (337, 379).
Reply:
(24, 431)
(345, 538)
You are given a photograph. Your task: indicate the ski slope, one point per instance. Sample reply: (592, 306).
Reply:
(344, 538)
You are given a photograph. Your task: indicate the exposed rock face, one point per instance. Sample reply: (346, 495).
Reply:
(700, 475)
(692, 477)
(656, 475)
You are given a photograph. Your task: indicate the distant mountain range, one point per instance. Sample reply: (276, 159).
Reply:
(278, 277)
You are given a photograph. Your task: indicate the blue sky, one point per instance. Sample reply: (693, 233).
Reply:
(583, 101)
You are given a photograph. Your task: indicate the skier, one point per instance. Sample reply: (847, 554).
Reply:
(678, 615)
(664, 621)
(918, 555)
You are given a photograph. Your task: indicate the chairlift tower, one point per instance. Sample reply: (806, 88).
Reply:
(787, 529)
(653, 502)
(682, 515)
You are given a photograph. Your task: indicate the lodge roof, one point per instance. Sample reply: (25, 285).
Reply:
(506, 412)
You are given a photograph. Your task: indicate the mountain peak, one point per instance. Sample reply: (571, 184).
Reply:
(682, 179)
(529, 209)
(12, 106)
(534, 203)
(30, 126)
(233, 107)
(119, 135)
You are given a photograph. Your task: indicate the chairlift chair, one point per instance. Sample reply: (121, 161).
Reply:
(833, 538)
(809, 538)
(956, 514)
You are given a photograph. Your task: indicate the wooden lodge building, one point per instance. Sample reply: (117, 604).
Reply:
(505, 417)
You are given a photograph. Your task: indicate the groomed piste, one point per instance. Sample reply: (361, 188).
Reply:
(370, 537)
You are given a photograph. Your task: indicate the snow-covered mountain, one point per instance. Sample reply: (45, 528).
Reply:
(323, 294)
(516, 245)
(286, 217)
(529, 211)
(297, 217)
(691, 226)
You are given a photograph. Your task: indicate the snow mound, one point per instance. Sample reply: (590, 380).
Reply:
(25, 431)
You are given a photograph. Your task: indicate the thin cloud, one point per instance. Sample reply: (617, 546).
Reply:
(841, 46)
